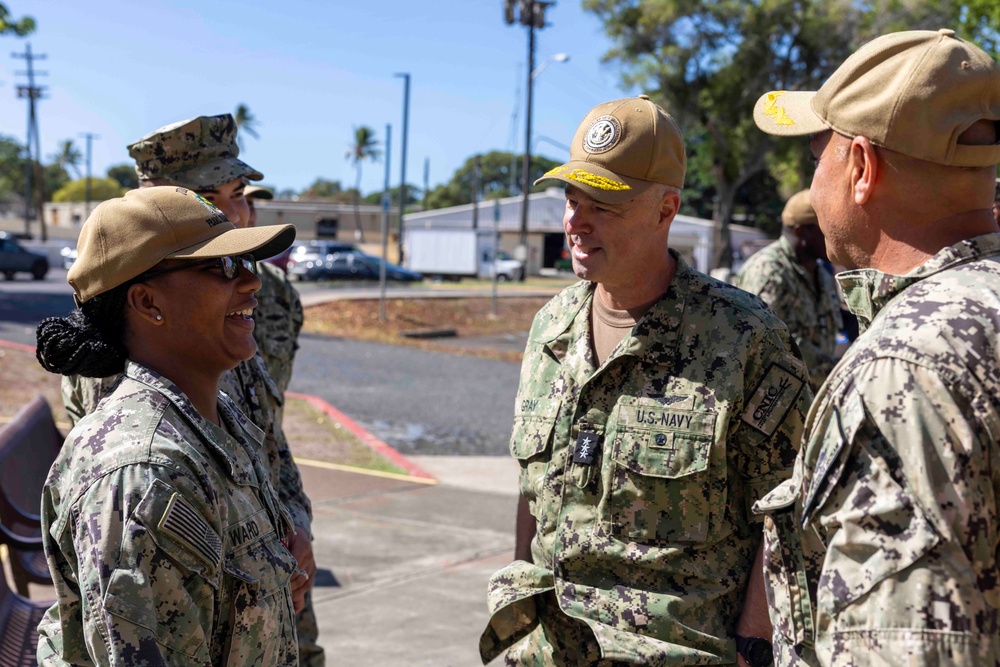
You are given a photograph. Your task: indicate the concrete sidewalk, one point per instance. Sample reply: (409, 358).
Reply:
(404, 563)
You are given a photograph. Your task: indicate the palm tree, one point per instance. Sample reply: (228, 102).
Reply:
(68, 157)
(365, 147)
(246, 123)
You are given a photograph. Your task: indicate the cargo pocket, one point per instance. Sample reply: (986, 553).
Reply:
(534, 419)
(662, 488)
(785, 574)
(262, 619)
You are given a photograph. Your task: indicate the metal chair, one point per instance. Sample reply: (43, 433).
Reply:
(29, 444)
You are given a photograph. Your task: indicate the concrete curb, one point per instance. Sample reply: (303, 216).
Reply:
(383, 449)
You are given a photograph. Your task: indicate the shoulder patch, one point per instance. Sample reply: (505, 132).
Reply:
(772, 399)
(184, 524)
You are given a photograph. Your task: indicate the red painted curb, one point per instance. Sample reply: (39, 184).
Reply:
(17, 346)
(364, 435)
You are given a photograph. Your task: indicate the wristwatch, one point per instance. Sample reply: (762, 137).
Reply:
(756, 651)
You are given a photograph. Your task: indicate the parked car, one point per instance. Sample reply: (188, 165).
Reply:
(350, 265)
(506, 267)
(68, 257)
(305, 256)
(16, 259)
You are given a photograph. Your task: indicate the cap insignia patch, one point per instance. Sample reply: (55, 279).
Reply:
(771, 108)
(596, 181)
(603, 134)
(212, 208)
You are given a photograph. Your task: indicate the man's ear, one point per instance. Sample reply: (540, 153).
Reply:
(670, 204)
(864, 169)
(143, 300)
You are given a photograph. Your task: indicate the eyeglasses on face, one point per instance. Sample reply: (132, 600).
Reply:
(230, 266)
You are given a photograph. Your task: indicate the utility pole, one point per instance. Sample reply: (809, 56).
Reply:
(427, 179)
(476, 176)
(402, 168)
(531, 14)
(32, 144)
(386, 205)
(90, 136)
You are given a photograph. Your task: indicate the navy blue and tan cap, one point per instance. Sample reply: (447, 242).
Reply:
(125, 237)
(621, 149)
(199, 153)
(913, 92)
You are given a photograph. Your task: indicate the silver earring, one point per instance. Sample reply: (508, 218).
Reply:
(159, 318)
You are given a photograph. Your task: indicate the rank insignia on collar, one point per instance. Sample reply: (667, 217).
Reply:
(588, 444)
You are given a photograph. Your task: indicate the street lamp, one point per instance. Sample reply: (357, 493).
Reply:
(557, 58)
(532, 15)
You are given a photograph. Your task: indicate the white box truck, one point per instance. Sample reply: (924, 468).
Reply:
(452, 254)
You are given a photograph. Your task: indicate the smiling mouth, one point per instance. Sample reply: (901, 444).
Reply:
(245, 314)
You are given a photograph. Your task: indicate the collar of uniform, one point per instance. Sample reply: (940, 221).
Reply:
(786, 248)
(867, 291)
(655, 335)
(558, 316)
(238, 470)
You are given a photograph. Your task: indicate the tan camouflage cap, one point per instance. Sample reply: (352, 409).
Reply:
(622, 148)
(125, 237)
(257, 192)
(799, 211)
(200, 153)
(912, 92)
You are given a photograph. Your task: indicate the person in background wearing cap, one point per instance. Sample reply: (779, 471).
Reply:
(202, 154)
(882, 549)
(791, 278)
(161, 526)
(655, 406)
(279, 313)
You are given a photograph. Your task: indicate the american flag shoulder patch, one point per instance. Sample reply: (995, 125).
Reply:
(184, 524)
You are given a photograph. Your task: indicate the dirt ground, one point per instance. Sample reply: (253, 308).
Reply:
(311, 433)
(472, 317)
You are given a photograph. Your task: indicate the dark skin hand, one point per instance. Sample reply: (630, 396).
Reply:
(301, 547)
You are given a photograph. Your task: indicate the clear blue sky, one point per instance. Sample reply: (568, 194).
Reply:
(310, 72)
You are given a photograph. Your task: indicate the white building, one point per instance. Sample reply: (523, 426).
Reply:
(692, 237)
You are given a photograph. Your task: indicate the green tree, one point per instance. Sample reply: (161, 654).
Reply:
(125, 175)
(323, 188)
(364, 147)
(707, 62)
(413, 195)
(20, 27)
(100, 189)
(494, 179)
(68, 157)
(246, 123)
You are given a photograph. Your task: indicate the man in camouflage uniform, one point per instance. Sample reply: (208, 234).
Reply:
(882, 549)
(655, 406)
(797, 287)
(278, 315)
(202, 154)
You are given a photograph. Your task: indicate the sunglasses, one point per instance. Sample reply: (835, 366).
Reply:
(230, 266)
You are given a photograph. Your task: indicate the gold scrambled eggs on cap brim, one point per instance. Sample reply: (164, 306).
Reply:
(788, 113)
(598, 183)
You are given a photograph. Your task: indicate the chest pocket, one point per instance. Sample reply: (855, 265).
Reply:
(662, 488)
(534, 419)
(261, 625)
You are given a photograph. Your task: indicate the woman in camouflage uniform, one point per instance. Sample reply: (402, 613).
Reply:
(164, 535)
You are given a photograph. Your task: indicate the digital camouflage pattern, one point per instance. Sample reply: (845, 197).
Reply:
(694, 416)
(278, 317)
(883, 547)
(809, 307)
(200, 153)
(255, 394)
(164, 535)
